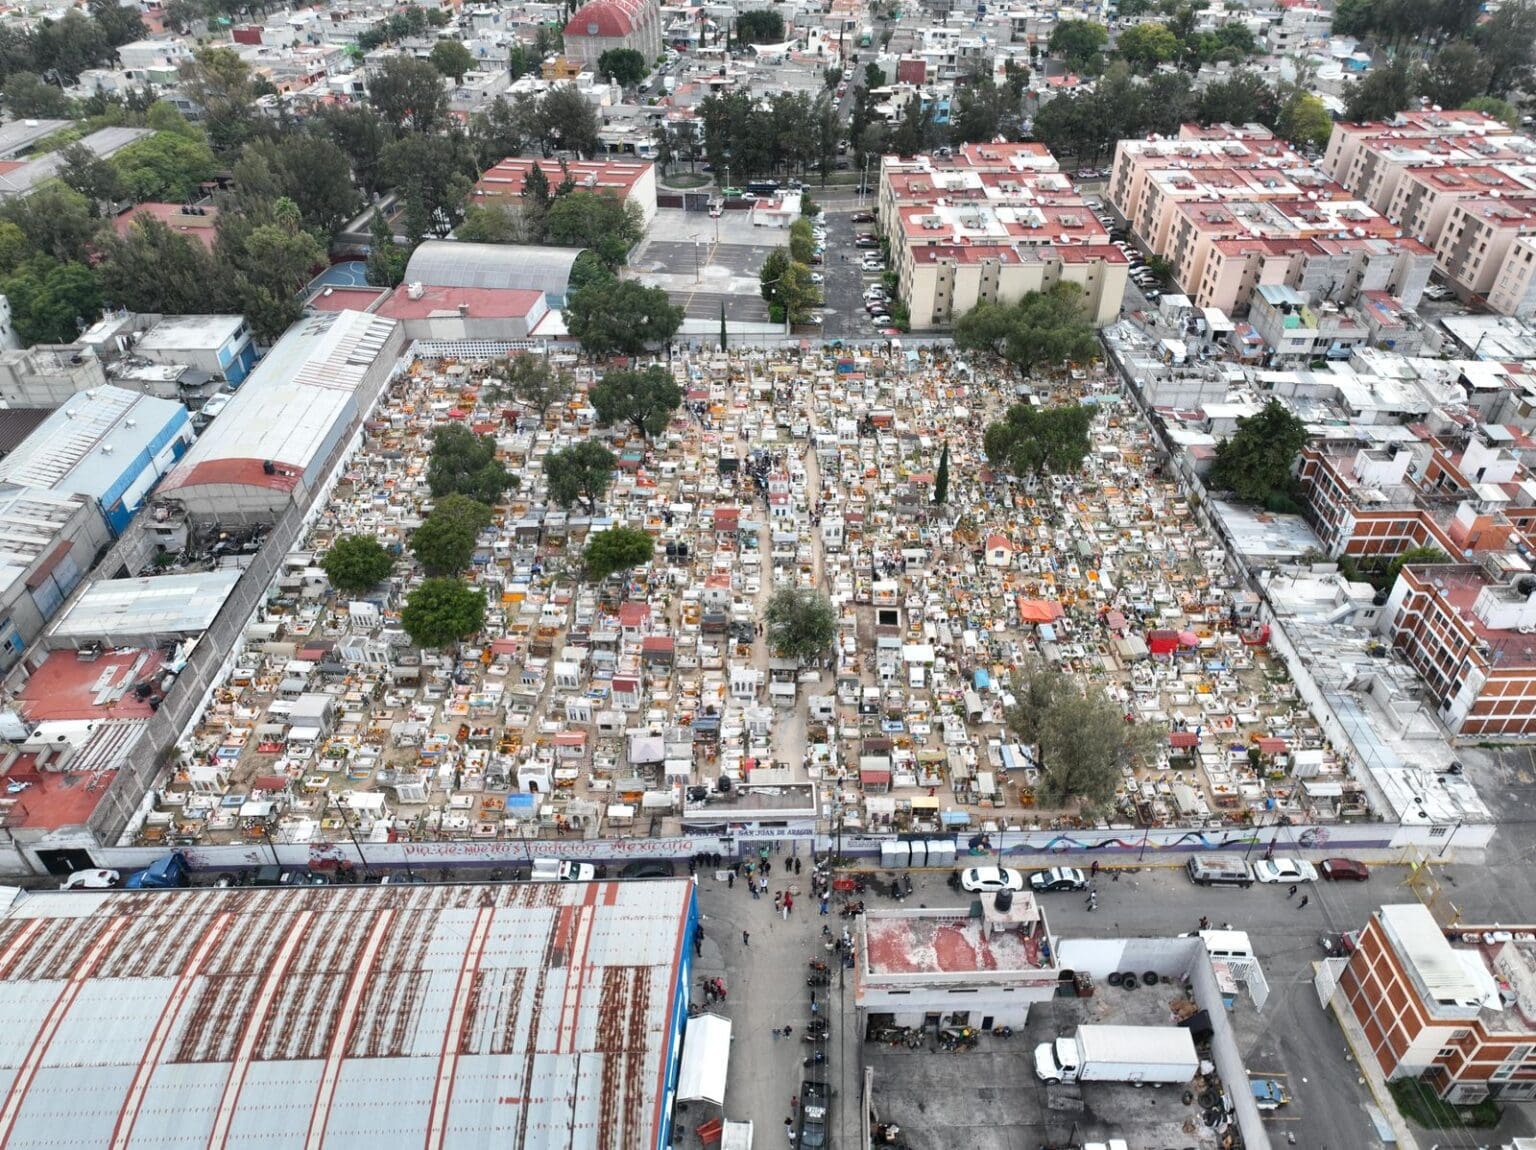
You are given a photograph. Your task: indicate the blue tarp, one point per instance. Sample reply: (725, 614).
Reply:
(1047, 633)
(520, 802)
(981, 680)
(954, 818)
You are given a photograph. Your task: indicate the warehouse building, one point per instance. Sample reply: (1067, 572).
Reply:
(48, 541)
(515, 1015)
(109, 444)
(293, 411)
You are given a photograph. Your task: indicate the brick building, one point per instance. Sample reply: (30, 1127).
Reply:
(1457, 1012)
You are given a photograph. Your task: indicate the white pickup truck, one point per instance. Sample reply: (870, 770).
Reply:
(562, 870)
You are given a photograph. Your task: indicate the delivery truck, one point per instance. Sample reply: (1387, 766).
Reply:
(1118, 1054)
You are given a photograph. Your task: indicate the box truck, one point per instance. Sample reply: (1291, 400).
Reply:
(1119, 1054)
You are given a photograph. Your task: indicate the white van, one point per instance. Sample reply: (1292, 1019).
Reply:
(1227, 944)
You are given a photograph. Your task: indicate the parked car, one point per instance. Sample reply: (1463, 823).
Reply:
(891, 331)
(1058, 878)
(170, 871)
(1345, 870)
(307, 878)
(647, 868)
(866, 240)
(817, 277)
(990, 878)
(862, 217)
(1284, 870)
(97, 879)
(881, 320)
(1269, 1093)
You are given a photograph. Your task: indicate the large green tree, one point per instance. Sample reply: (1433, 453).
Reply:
(441, 612)
(445, 542)
(623, 66)
(28, 96)
(409, 94)
(1305, 122)
(531, 380)
(1080, 44)
(621, 316)
(580, 473)
(267, 258)
(1145, 46)
(434, 175)
(1255, 462)
(308, 168)
(50, 301)
(566, 118)
(1041, 329)
(1031, 441)
(165, 166)
(153, 269)
(800, 623)
(463, 463)
(601, 221)
(646, 399)
(356, 563)
(617, 549)
(760, 26)
(386, 259)
(219, 82)
(1383, 93)
(452, 59)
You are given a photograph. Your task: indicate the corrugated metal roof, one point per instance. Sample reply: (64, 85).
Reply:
(446, 263)
(88, 443)
(1423, 946)
(122, 610)
(287, 408)
(531, 1015)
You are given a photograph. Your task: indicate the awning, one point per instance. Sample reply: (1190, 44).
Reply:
(706, 1057)
(1038, 610)
(1183, 739)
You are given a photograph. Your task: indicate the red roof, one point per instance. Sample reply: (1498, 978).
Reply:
(633, 614)
(235, 472)
(481, 303)
(1183, 739)
(606, 18)
(200, 228)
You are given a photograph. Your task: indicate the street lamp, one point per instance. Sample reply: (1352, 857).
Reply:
(695, 239)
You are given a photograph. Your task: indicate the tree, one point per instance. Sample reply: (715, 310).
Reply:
(645, 399)
(268, 258)
(56, 220)
(51, 301)
(760, 26)
(164, 166)
(409, 94)
(219, 82)
(1082, 740)
(386, 259)
(152, 269)
(1456, 74)
(566, 117)
(1417, 557)
(800, 622)
(916, 130)
(441, 612)
(1145, 46)
(1079, 44)
(119, 24)
(463, 463)
(308, 168)
(801, 245)
(1497, 108)
(90, 175)
(70, 45)
(722, 325)
(356, 563)
(489, 224)
(792, 291)
(1305, 121)
(941, 478)
(601, 221)
(536, 200)
(621, 316)
(452, 59)
(623, 66)
(445, 542)
(1039, 329)
(531, 380)
(1255, 462)
(1239, 98)
(1507, 41)
(1032, 441)
(580, 473)
(617, 549)
(983, 111)
(1383, 93)
(28, 96)
(183, 15)
(434, 174)
(361, 133)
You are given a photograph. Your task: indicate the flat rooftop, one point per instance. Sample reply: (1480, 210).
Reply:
(527, 1015)
(951, 942)
(69, 686)
(47, 799)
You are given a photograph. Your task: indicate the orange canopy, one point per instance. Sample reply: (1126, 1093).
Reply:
(1038, 610)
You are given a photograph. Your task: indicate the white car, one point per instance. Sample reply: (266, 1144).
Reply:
(1284, 870)
(990, 878)
(817, 277)
(92, 880)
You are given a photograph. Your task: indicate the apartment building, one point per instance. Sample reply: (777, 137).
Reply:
(1233, 209)
(1455, 1009)
(1470, 632)
(991, 223)
(1422, 198)
(1514, 286)
(1477, 239)
(1370, 158)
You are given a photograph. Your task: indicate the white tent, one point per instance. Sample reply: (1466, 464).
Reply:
(706, 1056)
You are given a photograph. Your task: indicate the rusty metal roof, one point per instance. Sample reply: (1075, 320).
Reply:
(527, 1015)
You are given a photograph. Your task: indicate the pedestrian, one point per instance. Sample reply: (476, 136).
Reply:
(789, 1031)
(778, 900)
(789, 1128)
(784, 910)
(753, 887)
(1205, 923)
(1094, 870)
(746, 939)
(730, 880)
(1292, 892)
(797, 865)
(794, 1103)
(775, 1033)
(1306, 898)
(698, 942)
(789, 901)
(823, 904)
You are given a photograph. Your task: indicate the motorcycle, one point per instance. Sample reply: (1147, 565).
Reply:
(816, 1024)
(814, 1036)
(817, 965)
(1002, 1032)
(819, 980)
(817, 1059)
(953, 880)
(853, 909)
(906, 884)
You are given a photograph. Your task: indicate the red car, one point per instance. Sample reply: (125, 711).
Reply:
(1344, 869)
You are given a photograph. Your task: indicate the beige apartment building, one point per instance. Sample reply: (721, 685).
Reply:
(1514, 289)
(1370, 158)
(992, 223)
(1477, 239)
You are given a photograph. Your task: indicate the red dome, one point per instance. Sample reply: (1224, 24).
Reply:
(609, 19)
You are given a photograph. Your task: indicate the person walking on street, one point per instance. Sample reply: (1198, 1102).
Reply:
(794, 1103)
(789, 1128)
(1292, 892)
(778, 900)
(823, 904)
(730, 880)
(746, 939)
(1306, 898)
